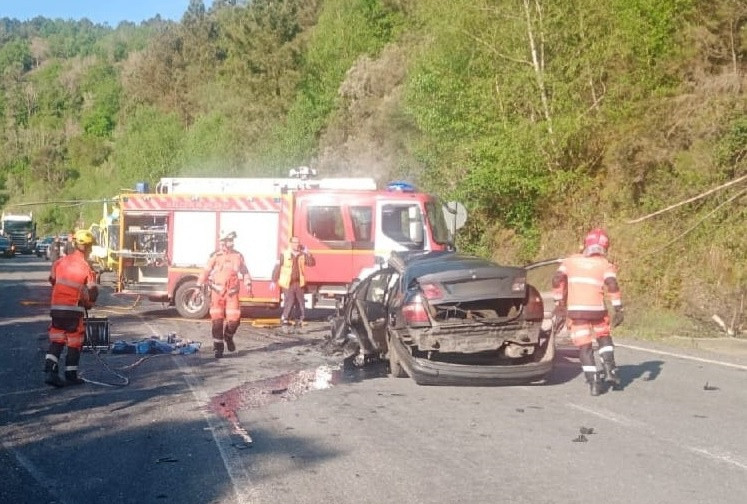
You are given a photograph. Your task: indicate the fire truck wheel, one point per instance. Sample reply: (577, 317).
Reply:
(190, 301)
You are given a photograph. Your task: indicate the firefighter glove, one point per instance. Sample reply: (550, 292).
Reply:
(618, 317)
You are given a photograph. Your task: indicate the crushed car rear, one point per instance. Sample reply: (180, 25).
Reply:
(446, 318)
(465, 320)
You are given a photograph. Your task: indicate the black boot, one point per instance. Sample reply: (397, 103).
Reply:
(51, 366)
(218, 349)
(231, 328)
(52, 374)
(612, 375)
(595, 383)
(71, 367)
(72, 378)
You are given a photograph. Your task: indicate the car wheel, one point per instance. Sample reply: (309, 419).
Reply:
(187, 304)
(395, 365)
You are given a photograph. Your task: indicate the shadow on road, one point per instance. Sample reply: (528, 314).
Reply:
(566, 367)
(647, 371)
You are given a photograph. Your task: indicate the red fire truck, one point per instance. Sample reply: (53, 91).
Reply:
(166, 236)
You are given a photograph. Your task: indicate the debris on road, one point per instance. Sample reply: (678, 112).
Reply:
(709, 387)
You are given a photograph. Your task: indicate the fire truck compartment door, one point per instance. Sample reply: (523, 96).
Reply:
(256, 239)
(193, 238)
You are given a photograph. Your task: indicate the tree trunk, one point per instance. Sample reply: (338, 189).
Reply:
(538, 62)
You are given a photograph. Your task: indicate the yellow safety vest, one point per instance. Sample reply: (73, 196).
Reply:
(286, 269)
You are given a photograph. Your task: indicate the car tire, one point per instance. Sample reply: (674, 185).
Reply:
(184, 304)
(395, 365)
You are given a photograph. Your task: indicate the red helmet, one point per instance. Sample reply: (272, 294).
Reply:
(596, 242)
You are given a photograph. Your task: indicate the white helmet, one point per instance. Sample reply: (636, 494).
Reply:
(227, 235)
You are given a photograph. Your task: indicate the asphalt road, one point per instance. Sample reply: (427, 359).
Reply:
(280, 421)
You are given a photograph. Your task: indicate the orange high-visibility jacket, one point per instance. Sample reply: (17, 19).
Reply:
(581, 281)
(73, 283)
(223, 269)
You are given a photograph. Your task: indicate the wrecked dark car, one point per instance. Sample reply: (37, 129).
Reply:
(447, 318)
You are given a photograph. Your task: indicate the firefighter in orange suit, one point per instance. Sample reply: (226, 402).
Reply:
(579, 287)
(290, 274)
(223, 274)
(74, 290)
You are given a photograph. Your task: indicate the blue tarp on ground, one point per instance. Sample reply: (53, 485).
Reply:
(155, 346)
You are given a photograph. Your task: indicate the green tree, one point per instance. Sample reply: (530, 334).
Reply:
(15, 54)
(149, 146)
(101, 88)
(345, 30)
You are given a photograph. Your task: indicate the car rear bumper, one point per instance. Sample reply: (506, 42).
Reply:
(427, 372)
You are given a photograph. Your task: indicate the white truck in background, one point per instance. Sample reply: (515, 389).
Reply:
(20, 228)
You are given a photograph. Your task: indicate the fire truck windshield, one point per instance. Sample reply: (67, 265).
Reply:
(403, 223)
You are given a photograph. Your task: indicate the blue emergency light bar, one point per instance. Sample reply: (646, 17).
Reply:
(400, 185)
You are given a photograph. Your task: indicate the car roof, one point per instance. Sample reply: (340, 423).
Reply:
(403, 260)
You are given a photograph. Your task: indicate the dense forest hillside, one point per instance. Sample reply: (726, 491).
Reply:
(544, 118)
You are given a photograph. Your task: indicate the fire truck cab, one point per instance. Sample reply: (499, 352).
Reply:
(350, 226)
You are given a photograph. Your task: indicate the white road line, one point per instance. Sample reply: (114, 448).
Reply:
(610, 416)
(42, 479)
(240, 481)
(682, 356)
(723, 457)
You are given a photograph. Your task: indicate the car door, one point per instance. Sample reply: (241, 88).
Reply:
(372, 305)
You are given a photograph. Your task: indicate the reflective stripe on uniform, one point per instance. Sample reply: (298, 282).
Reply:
(580, 333)
(68, 308)
(585, 281)
(601, 330)
(599, 307)
(69, 283)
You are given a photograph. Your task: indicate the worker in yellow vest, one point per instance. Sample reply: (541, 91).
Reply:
(289, 274)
